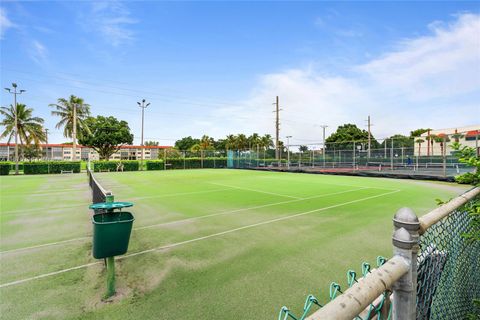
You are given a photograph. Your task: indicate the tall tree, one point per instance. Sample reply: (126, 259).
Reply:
(72, 111)
(254, 140)
(186, 143)
(30, 128)
(231, 142)
(151, 143)
(106, 135)
(242, 142)
(399, 141)
(220, 145)
(303, 149)
(266, 143)
(31, 152)
(441, 140)
(64, 110)
(430, 140)
(418, 132)
(345, 135)
(419, 142)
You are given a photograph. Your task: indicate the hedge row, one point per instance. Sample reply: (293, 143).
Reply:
(43, 167)
(20, 166)
(128, 165)
(155, 165)
(5, 168)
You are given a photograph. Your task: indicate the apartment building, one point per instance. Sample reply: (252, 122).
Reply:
(64, 152)
(467, 136)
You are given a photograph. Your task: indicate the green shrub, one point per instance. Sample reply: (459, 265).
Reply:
(44, 167)
(5, 168)
(155, 165)
(20, 166)
(128, 165)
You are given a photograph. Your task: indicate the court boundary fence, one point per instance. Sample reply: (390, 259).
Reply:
(391, 291)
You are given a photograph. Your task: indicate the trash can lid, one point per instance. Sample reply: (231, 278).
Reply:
(110, 205)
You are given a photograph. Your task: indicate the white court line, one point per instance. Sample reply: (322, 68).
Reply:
(40, 209)
(178, 194)
(29, 211)
(45, 192)
(254, 190)
(168, 246)
(185, 220)
(332, 184)
(243, 209)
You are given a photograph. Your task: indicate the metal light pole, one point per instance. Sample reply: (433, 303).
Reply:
(288, 152)
(15, 92)
(143, 106)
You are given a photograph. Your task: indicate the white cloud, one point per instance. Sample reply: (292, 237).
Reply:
(38, 52)
(112, 20)
(443, 64)
(430, 81)
(5, 23)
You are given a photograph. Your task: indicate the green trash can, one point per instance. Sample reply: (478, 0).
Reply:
(111, 229)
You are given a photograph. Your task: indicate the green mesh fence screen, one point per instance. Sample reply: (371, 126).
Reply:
(449, 268)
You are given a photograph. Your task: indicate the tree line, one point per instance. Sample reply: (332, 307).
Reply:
(103, 134)
(106, 134)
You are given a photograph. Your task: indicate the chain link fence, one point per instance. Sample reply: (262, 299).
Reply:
(448, 269)
(431, 156)
(441, 282)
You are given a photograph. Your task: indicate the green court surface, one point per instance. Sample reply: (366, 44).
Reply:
(206, 244)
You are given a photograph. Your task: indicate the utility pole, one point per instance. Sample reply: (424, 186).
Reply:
(369, 125)
(15, 92)
(324, 149)
(74, 134)
(288, 152)
(277, 129)
(143, 106)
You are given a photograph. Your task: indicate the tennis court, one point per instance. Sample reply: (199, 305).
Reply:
(223, 244)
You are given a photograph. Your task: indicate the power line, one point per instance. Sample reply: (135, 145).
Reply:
(142, 92)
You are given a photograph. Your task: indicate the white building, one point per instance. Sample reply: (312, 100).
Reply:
(436, 140)
(56, 152)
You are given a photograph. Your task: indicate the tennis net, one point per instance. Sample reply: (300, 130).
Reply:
(99, 194)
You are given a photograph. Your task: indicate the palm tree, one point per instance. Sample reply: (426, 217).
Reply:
(66, 109)
(30, 129)
(419, 141)
(441, 139)
(302, 149)
(431, 139)
(231, 142)
(266, 142)
(242, 141)
(206, 143)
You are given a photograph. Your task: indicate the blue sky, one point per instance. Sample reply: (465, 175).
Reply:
(215, 67)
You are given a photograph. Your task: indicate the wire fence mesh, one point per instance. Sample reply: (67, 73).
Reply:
(448, 275)
(448, 268)
(433, 155)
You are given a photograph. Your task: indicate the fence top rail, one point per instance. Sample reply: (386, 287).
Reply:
(439, 213)
(354, 300)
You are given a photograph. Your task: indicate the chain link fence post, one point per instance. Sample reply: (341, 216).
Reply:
(405, 242)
